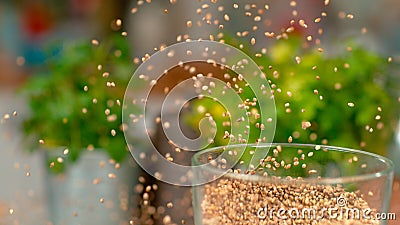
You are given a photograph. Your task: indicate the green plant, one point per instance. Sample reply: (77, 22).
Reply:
(322, 98)
(76, 99)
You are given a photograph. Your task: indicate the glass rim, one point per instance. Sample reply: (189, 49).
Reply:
(389, 166)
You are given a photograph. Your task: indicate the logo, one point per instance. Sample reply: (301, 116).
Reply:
(142, 112)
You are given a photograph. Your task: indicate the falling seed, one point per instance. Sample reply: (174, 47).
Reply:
(11, 211)
(302, 23)
(252, 41)
(350, 16)
(118, 22)
(134, 10)
(226, 17)
(189, 24)
(111, 175)
(326, 2)
(290, 139)
(41, 141)
(148, 188)
(298, 59)
(312, 171)
(113, 132)
(342, 15)
(28, 174)
(363, 165)
(170, 205)
(60, 160)
(290, 29)
(305, 125)
(350, 104)
(95, 42)
(269, 34)
(317, 20)
(101, 200)
(6, 116)
(96, 181)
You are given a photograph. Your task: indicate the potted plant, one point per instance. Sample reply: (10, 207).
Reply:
(320, 98)
(75, 106)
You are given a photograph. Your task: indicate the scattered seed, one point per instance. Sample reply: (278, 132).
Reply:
(95, 42)
(253, 41)
(226, 17)
(113, 132)
(312, 172)
(118, 22)
(305, 125)
(170, 205)
(363, 165)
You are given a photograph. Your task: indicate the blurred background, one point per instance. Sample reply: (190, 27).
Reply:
(29, 27)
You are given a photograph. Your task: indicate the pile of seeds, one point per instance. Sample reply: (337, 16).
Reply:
(233, 201)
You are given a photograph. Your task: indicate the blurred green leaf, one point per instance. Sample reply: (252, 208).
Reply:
(70, 102)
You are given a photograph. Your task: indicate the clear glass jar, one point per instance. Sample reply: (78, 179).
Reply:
(294, 183)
